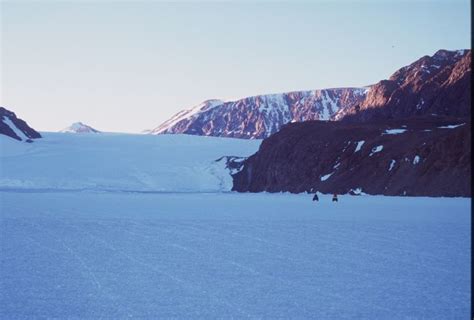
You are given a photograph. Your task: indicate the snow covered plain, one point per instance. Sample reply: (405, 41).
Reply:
(120, 162)
(124, 251)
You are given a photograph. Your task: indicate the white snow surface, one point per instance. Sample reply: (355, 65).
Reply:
(392, 164)
(125, 162)
(460, 52)
(326, 176)
(116, 226)
(15, 129)
(452, 126)
(117, 255)
(376, 150)
(394, 131)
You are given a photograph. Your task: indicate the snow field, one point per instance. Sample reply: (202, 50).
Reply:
(120, 162)
(211, 255)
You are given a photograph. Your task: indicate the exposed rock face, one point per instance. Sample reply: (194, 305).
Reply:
(432, 85)
(390, 143)
(16, 128)
(428, 156)
(79, 127)
(260, 116)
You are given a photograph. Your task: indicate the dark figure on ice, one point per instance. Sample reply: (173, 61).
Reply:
(316, 198)
(334, 198)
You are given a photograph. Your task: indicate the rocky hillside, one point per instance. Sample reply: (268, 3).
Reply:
(439, 84)
(432, 85)
(16, 128)
(260, 116)
(421, 156)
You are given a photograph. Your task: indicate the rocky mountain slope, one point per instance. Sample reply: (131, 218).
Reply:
(438, 84)
(79, 127)
(16, 128)
(260, 116)
(421, 156)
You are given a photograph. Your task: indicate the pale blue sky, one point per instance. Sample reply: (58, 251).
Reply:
(128, 66)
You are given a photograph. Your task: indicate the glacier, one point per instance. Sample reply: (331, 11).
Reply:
(120, 162)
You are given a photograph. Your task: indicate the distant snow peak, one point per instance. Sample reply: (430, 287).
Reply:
(79, 127)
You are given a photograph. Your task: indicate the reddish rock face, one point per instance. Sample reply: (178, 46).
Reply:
(410, 135)
(432, 85)
(11, 126)
(260, 116)
(421, 156)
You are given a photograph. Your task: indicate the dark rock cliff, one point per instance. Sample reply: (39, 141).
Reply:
(16, 128)
(421, 156)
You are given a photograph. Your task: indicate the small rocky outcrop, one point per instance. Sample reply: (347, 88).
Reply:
(16, 128)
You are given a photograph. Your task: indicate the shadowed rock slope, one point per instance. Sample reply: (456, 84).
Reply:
(422, 156)
(16, 128)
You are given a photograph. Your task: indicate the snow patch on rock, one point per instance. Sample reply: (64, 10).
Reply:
(14, 128)
(394, 131)
(327, 176)
(359, 145)
(392, 164)
(376, 150)
(452, 126)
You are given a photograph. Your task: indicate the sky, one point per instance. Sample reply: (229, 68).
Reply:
(125, 66)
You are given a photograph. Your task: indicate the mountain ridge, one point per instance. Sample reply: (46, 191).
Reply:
(260, 116)
(425, 86)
